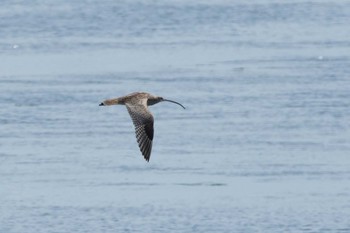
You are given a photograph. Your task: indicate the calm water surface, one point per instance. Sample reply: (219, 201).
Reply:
(263, 145)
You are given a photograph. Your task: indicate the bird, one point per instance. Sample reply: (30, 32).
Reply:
(137, 105)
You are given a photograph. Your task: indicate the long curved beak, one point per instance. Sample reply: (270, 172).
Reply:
(174, 103)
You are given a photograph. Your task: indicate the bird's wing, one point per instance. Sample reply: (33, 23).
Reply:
(143, 122)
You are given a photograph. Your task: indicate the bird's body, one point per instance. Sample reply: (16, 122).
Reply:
(137, 105)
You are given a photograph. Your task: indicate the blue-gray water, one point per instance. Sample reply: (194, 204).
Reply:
(263, 145)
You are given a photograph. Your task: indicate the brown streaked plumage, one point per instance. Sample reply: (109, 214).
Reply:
(137, 105)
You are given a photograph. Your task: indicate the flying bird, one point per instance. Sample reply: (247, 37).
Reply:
(137, 105)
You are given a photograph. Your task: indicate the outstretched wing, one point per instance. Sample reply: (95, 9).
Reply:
(143, 122)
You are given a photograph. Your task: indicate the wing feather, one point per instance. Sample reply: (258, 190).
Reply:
(143, 122)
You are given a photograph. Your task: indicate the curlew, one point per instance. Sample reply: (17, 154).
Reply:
(137, 104)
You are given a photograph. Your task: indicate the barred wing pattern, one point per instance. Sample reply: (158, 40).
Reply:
(143, 122)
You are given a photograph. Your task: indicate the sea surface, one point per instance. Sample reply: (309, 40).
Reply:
(263, 145)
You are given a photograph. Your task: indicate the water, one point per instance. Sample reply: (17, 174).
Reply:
(263, 145)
